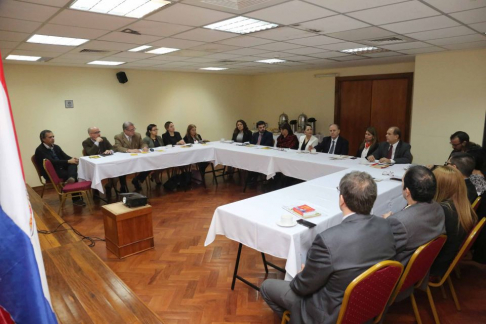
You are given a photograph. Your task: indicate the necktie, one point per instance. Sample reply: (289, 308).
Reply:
(259, 138)
(331, 150)
(54, 155)
(389, 154)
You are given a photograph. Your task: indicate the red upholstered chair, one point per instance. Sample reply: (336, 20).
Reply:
(82, 188)
(416, 270)
(46, 183)
(466, 246)
(366, 296)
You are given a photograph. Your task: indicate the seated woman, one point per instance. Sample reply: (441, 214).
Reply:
(192, 136)
(369, 144)
(459, 216)
(241, 134)
(287, 139)
(171, 137)
(153, 140)
(307, 142)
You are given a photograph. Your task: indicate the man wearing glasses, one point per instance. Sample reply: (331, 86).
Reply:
(96, 144)
(129, 141)
(460, 143)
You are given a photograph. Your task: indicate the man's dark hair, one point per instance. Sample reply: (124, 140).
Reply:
(464, 162)
(421, 183)
(462, 136)
(397, 131)
(167, 124)
(261, 122)
(43, 134)
(359, 192)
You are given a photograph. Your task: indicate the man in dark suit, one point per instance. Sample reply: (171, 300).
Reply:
(394, 150)
(333, 144)
(96, 144)
(263, 137)
(337, 256)
(66, 167)
(460, 143)
(130, 142)
(423, 219)
(464, 162)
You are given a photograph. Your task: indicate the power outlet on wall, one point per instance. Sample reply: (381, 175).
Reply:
(69, 103)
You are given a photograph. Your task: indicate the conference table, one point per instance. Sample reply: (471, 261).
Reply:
(253, 222)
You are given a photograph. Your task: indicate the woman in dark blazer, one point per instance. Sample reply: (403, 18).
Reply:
(241, 134)
(171, 137)
(191, 135)
(153, 140)
(369, 144)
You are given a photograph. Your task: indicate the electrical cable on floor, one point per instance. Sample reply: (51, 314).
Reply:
(92, 239)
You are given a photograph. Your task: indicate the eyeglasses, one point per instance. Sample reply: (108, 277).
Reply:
(447, 163)
(458, 144)
(96, 132)
(155, 129)
(131, 130)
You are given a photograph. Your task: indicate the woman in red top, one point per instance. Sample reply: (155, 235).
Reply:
(287, 139)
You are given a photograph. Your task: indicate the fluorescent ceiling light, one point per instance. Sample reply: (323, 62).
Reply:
(213, 68)
(362, 50)
(241, 25)
(127, 8)
(106, 63)
(55, 40)
(140, 48)
(163, 50)
(271, 61)
(22, 58)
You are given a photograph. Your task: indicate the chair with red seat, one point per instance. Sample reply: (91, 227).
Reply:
(46, 182)
(415, 272)
(476, 203)
(82, 188)
(366, 296)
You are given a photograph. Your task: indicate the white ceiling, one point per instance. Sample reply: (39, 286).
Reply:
(310, 36)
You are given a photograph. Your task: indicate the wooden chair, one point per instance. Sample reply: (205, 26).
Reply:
(82, 188)
(415, 272)
(46, 183)
(466, 246)
(366, 296)
(476, 203)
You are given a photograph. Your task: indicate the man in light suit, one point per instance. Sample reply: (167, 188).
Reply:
(333, 144)
(422, 220)
(262, 137)
(130, 142)
(394, 150)
(337, 256)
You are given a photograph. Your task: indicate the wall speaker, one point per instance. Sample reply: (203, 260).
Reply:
(122, 77)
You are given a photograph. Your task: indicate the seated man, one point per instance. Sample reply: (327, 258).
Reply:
(66, 167)
(422, 220)
(263, 137)
(464, 162)
(96, 144)
(460, 143)
(333, 144)
(130, 142)
(393, 150)
(337, 256)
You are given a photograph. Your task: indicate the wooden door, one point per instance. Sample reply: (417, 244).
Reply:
(380, 101)
(355, 111)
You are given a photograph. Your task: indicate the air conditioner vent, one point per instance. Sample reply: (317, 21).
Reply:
(387, 40)
(235, 4)
(87, 50)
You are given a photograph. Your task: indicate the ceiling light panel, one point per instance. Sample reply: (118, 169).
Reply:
(162, 50)
(241, 25)
(22, 58)
(213, 68)
(105, 63)
(55, 40)
(127, 8)
(271, 61)
(363, 50)
(140, 48)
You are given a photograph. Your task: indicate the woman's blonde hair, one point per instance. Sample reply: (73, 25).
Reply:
(452, 187)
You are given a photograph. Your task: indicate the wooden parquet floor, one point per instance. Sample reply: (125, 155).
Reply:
(184, 282)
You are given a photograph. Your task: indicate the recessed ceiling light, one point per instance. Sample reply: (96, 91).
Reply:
(55, 40)
(140, 48)
(364, 50)
(106, 63)
(162, 50)
(127, 8)
(22, 58)
(271, 61)
(241, 25)
(213, 68)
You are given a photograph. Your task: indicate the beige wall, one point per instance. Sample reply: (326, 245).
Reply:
(294, 93)
(37, 94)
(449, 95)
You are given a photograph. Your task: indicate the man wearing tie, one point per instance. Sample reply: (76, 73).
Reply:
(393, 151)
(333, 144)
(96, 144)
(263, 137)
